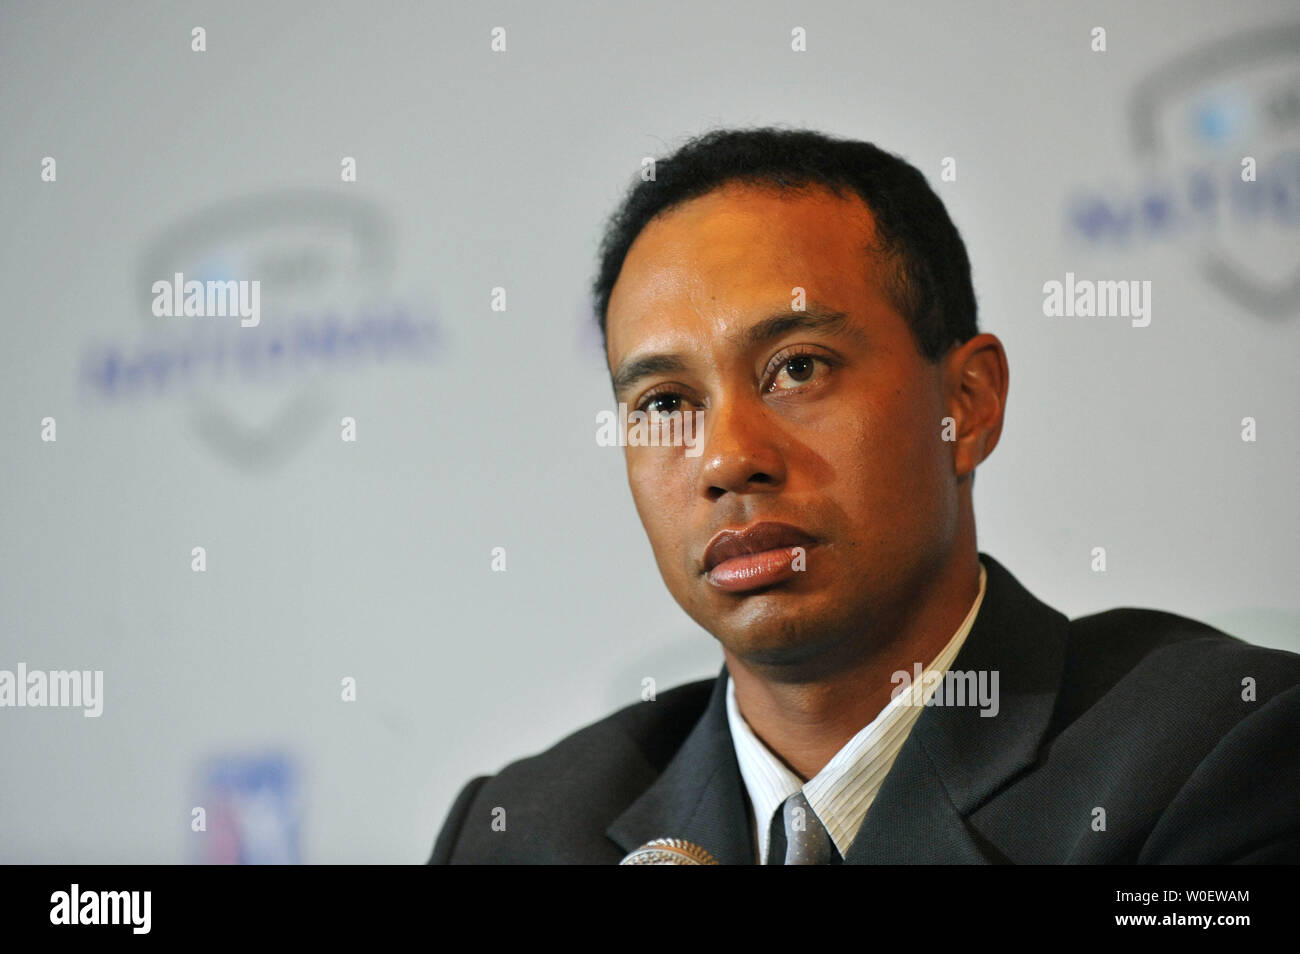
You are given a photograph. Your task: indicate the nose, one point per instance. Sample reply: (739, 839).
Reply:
(741, 452)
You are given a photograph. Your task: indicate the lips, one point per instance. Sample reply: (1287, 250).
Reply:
(761, 537)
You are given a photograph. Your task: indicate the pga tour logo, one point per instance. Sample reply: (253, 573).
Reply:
(211, 299)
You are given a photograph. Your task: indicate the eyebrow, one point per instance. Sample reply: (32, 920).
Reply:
(815, 319)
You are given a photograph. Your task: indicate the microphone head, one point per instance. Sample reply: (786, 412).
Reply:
(669, 851)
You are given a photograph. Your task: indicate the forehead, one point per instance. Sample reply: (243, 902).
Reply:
(707, 264)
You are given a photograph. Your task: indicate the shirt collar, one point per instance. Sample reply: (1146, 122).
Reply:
(844, 789)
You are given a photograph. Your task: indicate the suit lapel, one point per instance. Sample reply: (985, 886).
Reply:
(699, 796)
(955, 759)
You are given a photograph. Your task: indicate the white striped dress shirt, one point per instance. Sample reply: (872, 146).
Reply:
(844, 789)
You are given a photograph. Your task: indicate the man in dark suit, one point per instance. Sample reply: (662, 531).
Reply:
(889, 693)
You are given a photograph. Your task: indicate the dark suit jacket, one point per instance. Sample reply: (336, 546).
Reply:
(1136, 712)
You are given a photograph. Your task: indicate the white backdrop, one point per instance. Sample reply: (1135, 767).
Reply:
(477, 169)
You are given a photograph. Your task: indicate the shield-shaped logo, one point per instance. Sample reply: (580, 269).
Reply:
(325, 262)
(1234, 104)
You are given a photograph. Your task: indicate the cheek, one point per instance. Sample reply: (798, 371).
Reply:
(891, 466)
(661, 493)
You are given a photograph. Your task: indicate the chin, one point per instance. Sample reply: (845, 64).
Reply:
(777, 635)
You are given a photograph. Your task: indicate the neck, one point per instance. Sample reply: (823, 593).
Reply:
(806, 721)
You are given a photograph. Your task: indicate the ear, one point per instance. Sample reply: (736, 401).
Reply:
(976, 379)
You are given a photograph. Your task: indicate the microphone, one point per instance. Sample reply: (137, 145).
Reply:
(669, 851)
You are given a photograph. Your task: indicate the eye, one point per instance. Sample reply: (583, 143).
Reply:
(800, 368)
(661, 402)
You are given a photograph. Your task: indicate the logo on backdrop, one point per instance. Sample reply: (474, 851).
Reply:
(251, 309)
(249, 810)
(1216, 132)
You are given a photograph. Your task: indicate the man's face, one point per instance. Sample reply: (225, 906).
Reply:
(832, 430)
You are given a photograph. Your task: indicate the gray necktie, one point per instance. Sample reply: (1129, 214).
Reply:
(798, 836)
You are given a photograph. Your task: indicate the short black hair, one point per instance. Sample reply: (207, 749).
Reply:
(929, 282)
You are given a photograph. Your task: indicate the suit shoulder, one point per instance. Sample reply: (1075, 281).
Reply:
(1129, 638)
(649, 731)
(1145, 662)
(555, 806)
